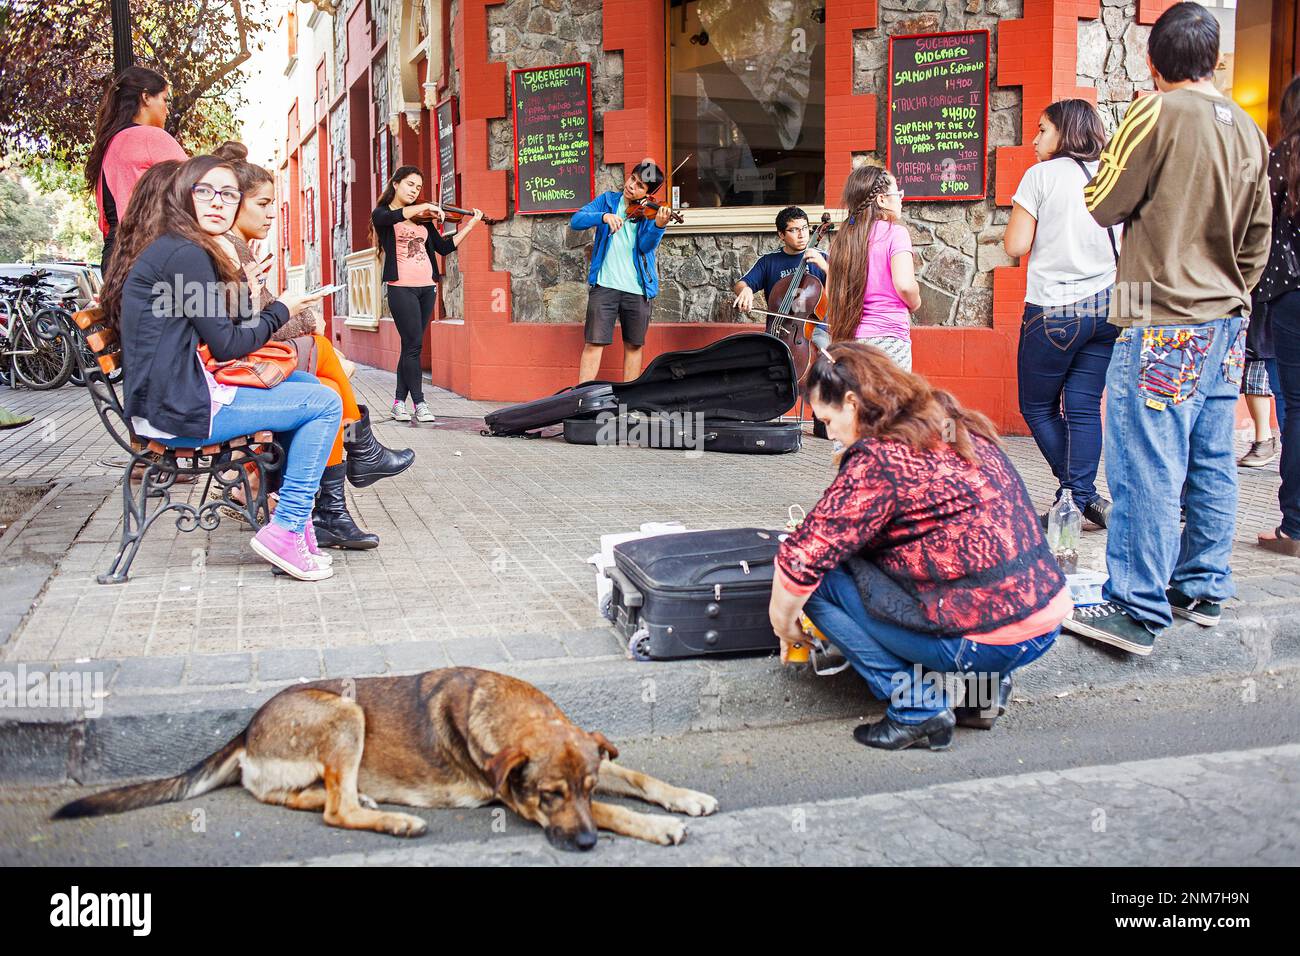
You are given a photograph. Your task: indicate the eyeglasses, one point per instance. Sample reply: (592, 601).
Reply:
(205, 193)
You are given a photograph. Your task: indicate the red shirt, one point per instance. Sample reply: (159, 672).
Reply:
(129, 154)
(960, 543)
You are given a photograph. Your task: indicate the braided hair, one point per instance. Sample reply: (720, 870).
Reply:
(851, 246)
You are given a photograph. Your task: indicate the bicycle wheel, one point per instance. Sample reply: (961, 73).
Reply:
(43, 347)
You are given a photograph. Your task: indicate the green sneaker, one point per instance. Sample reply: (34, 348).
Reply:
(1204, 613)
(1110, 624)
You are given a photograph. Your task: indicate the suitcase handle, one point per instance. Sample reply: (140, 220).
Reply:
(632, 596)
(705, 572)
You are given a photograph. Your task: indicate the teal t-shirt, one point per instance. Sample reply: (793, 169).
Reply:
(618, 271)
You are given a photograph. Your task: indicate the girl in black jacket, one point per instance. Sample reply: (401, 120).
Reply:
(170, 288)
(407, 249)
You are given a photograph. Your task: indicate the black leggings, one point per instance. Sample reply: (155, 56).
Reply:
(412, 308)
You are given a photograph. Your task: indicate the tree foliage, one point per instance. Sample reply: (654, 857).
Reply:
(26, 221)
(56, 61)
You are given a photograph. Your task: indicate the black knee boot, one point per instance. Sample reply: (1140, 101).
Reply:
(334, 526)
(368, 461)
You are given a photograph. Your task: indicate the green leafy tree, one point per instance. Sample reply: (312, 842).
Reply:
(56, 61)
(26, 222)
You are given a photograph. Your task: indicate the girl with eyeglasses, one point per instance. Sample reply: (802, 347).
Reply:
(872, 283)
(368, 461)
(129, 138)
(174, 288)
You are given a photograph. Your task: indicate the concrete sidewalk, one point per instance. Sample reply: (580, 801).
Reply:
(483, 563)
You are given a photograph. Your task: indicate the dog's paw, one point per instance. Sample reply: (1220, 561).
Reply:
(667, 831)
(404, 825)
(694, 804)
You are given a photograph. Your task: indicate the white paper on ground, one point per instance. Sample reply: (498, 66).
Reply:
(604, 558)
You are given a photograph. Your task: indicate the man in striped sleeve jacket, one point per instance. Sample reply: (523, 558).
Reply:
(1185, 173)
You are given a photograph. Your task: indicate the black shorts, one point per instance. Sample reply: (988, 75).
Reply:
(606, 305)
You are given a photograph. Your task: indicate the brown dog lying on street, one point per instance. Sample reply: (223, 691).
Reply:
(458, 737)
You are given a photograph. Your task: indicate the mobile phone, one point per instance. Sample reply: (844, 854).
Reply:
(326, 289)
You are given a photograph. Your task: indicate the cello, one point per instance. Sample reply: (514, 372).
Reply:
(801, 303)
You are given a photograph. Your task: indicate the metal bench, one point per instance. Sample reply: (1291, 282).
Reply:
(229, 465)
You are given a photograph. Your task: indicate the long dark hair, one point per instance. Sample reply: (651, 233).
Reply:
(117, 111)
(895, 405)
(162, 203)
(1290, 111)
(387, 196)
(849, 249)
(1079, 124)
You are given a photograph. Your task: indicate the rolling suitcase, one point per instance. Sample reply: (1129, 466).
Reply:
(702, 592)
(589, 398)
(673, 431)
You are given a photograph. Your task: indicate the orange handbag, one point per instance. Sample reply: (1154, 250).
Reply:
(265, 367)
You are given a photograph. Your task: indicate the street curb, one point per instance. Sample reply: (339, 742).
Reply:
(158, 734)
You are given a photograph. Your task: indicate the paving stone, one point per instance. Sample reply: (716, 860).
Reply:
(595, 643)
(416, 656)
(475, 652)
(205, 669)
(354, 661)
(532, 647)
(137, 673)
(288, 664)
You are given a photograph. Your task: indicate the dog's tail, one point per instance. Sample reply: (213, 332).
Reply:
(219, 770)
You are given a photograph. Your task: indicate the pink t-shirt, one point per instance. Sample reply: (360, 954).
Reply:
(129, 154)
(883, 312)
(413, 265)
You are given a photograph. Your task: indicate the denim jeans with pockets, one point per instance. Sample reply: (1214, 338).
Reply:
(1170, 412)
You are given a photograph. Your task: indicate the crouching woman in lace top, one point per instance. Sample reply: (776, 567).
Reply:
(924, 557)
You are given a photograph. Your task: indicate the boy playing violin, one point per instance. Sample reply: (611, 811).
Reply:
(792, 227)
(624, 276)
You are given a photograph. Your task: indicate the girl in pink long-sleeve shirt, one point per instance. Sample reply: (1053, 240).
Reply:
(129, 138)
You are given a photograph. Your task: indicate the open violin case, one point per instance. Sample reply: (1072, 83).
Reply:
(721, 397)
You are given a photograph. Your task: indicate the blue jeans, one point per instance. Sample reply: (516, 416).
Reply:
(1061, 364)
(1275, 386)
(1285, 316)
(305, 415)
(1170, 413)
(887, 655)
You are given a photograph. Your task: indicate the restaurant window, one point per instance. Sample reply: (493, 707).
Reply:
(747, 102)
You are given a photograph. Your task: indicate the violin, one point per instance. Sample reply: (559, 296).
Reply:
(801, 303)
(454, 214)
(648, 208)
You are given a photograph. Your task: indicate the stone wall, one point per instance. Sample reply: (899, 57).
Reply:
(341, 214)
(1112, 57)
(310, 171)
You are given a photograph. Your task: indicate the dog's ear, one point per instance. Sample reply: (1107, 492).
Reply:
(503, 763)
(606, 748)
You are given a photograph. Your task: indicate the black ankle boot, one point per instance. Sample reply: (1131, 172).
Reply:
(936, 733)
(977, 717)
(368, 461)
(334, 526)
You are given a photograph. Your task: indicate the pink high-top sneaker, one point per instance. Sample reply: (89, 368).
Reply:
(289, 552)
(321, 557)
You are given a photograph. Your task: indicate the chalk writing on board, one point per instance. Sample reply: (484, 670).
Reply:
(553, 158)
(938, 114)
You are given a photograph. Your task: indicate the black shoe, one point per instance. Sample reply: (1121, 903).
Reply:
(980, 719)
(1097, 511)
(1205, 613)
(1109, 624)
(369, 461)
(334, 526)
(936, 733)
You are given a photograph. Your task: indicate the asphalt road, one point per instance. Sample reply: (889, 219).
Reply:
(772, 770)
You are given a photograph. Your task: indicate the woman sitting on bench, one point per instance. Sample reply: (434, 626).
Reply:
(367, 460)
(172, 287)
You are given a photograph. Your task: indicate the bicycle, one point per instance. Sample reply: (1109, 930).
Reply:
(36, 341)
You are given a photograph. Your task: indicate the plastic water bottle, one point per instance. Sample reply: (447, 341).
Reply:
(1064, 525)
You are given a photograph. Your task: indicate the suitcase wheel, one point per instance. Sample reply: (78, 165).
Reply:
(639, 646)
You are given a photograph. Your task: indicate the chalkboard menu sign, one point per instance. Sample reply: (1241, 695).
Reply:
(445, 112)
(938, 114)
(554, 168)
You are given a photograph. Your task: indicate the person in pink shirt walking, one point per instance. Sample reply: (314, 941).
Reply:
(129, 138)
(872, 282)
